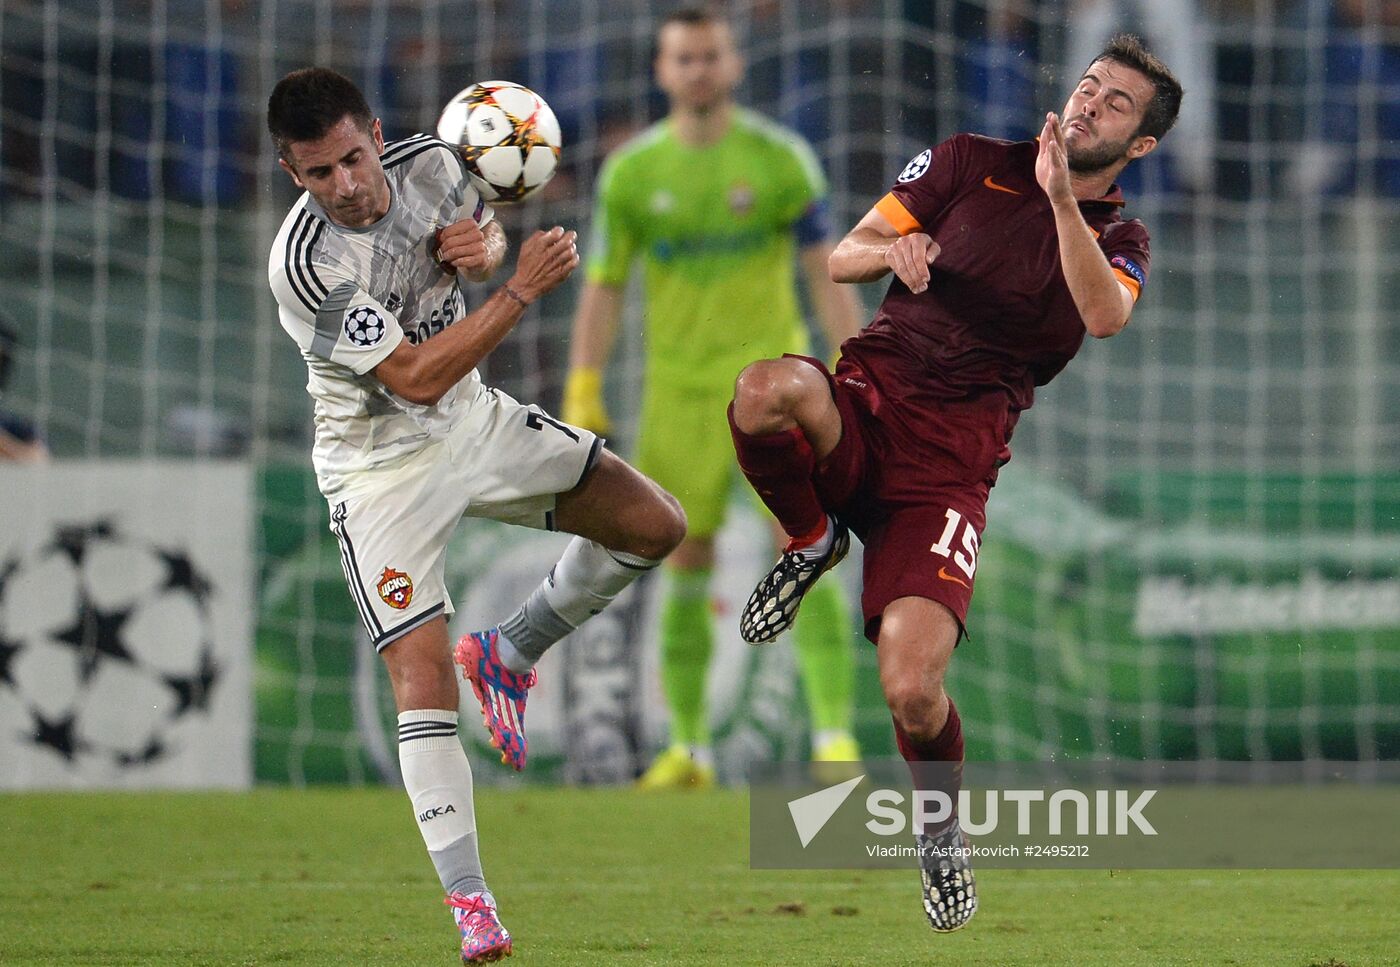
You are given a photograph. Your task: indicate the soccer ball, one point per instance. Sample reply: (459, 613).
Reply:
(507, 135)
(106, 647)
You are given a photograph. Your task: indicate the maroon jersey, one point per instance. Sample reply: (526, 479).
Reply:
(997, 314)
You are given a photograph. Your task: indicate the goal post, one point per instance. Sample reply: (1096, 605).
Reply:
(1195, 551)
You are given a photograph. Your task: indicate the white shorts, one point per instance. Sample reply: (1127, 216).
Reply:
(503, 461)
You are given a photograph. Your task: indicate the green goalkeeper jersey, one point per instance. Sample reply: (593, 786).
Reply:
(717, 229)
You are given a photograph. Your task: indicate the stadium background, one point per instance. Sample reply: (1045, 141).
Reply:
(1194, 553)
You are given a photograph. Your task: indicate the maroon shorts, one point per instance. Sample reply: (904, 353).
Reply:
(911, 482)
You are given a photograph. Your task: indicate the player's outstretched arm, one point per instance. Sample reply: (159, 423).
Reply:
(476, 252)
(594, 334)
(1103, 302)
(423, 373)
(836, 306)
(875, 247)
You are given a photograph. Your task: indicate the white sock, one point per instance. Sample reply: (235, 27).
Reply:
(584, 582)
(822, 544)
(438, 779)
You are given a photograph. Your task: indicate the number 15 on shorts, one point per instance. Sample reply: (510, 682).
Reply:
(962, 551)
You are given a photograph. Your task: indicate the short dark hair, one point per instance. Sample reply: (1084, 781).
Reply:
(309, 102)
(1129, 50)
(696, 15)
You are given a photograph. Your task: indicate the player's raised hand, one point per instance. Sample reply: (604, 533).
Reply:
(462, 245)
(910, 256)
(1052, 163)
(546, 259)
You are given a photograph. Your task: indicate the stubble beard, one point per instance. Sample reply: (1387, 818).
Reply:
(1088, 161)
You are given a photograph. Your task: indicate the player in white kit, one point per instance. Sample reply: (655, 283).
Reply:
(366, 270)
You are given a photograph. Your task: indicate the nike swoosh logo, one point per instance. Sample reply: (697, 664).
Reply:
(943, 571)
(996, 187)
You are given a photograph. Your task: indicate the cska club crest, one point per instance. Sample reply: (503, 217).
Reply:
(396, 588)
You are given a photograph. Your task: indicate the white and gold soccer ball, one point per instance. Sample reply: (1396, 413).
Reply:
(507, 135)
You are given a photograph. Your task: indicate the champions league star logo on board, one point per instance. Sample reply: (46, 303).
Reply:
(106, 645)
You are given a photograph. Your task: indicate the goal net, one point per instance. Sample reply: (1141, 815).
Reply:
(1194, 553)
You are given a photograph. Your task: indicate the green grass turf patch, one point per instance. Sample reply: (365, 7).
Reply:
(601, 877)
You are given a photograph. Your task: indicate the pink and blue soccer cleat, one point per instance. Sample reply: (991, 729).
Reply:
(484, 940)
(500, 691)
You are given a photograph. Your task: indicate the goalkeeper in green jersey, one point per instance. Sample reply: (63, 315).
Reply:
(719, 205)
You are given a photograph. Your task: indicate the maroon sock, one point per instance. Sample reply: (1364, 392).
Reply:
(779, 466)
(946, 747)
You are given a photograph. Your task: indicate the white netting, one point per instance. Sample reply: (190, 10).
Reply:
(1188, 551)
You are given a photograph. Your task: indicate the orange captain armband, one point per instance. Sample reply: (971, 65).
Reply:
(1129, 282)
(897, 215)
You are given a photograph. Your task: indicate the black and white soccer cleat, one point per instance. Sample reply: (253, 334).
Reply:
(772, 608)
(950, 889)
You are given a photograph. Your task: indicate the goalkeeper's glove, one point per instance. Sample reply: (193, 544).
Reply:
(583, 400)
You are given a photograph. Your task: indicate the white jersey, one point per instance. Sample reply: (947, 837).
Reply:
(348, 296)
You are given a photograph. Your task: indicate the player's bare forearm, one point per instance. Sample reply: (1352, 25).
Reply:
(595, 326)
(475, 252)
(875, 247)
(496, 245)
(860, 256)
(1103, 303)
(496, 248)
(422, 374)
(836, 306)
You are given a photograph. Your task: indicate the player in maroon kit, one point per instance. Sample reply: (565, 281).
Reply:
(1004, 255)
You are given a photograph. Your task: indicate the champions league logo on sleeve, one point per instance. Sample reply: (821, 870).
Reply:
(916, 168)
(364, 326)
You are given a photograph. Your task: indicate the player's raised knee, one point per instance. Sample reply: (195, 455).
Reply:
(657, 528)
(768, 394)
(670, 527)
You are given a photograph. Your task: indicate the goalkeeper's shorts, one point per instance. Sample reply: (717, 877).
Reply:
(683, 443)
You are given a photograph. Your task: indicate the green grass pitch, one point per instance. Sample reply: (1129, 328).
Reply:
(601, 877)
